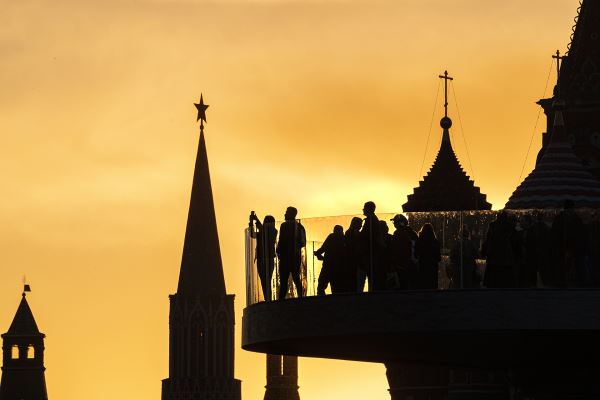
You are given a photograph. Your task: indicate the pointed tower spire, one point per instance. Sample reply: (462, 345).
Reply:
(201, 266)
(23, 357)
(446, 187)
(202, 316)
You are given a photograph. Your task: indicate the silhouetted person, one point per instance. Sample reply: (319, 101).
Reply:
(569, 244)
(463, 257)
(332, 253)
(292, 239)
(372, 245)
(384, 270)
(499, 252)
(428, 252)
(401, 252)
(353, 265)
(266, 236)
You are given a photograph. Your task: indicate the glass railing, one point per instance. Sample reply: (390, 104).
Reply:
(468, 250)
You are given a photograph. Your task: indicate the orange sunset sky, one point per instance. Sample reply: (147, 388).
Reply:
(321, 104)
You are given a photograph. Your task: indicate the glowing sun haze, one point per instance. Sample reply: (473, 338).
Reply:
(319, 104)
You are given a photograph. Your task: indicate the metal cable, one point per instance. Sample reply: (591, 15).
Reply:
(437, 96)
(462, 131)
(536, 125)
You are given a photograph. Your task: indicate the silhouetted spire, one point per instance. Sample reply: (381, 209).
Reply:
(202, 315)
(446, 187)
(201, 266)
(24, 323)
(579, 75)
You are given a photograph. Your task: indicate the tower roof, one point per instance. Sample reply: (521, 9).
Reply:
(23, 323)
(446, 187)
(580, 72)
(558, 176)
(201, 271)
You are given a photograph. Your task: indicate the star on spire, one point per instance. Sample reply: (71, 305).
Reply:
(201, 107)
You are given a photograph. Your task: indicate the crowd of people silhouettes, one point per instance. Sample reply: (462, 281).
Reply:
(523, 252)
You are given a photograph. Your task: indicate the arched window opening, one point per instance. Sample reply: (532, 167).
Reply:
(30, 352)
(14, 353)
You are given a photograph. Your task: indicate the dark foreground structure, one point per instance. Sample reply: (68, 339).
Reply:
(23, 376)
(282, 378)
(532, 343)
(544, 341)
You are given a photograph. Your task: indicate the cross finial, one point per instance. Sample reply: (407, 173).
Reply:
(201, 107)
(558, 58)
(446, 78)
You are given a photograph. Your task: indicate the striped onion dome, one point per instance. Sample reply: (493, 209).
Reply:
(559, 176)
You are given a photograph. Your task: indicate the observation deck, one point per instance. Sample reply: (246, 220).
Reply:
(452, 326)
(491, 328)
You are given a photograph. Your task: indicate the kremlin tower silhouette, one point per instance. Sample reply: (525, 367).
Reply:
(201, 318)
(23, 376)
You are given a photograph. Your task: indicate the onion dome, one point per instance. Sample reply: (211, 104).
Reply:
(558, 176)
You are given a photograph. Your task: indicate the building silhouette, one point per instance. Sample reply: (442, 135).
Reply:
(441, 345)
(23, 371)
(282, 378)
(579, 87)
(568, 164)
(201, 318)
(446, 187)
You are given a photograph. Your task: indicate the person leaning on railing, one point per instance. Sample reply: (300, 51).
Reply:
(332, 254)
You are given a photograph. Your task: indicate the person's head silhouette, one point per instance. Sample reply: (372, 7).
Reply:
(290, 213)
(338, 230)
(355, 224)
(369, 208)
(399, 221)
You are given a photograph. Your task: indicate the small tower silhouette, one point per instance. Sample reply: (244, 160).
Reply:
(23, 368)
(282, 378)
(201, 318)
